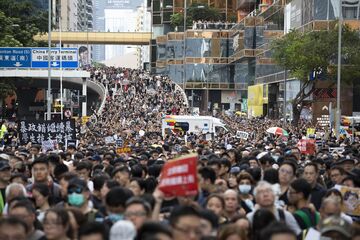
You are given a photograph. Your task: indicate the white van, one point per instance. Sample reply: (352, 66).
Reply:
(194, 124)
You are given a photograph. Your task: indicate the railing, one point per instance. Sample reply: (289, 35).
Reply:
(216, 86)
(272, 78)
(181, 90)
(104, 92)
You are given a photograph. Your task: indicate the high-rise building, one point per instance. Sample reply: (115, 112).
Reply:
(99, 26)
(110, 16)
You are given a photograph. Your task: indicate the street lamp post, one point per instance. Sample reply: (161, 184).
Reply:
(49, 64)
(184, 50)
(285, 76)
(338, 107)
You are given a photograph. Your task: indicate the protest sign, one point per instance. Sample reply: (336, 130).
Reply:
(39, 131)
(109, 139)
(71, 142)
(48, 145)
(351, 198)
(119, 142)
(306, 146)
(179, 176)
(242, 135)
(310, 131)
(121, 150)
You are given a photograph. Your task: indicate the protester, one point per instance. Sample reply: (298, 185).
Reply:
(299, 194)
(113, 174)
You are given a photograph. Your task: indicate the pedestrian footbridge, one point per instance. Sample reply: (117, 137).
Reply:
(107, 38)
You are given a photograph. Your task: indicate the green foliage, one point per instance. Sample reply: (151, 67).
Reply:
(199, 12)
(301, 53)
(194, 13)
(6, 88)
(177, 19)
(19, 22)
(98, 65)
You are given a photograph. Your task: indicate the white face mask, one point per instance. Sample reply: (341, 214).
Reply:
(244, 188)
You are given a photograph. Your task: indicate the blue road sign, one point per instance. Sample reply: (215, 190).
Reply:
(69, 58)
(15, 57)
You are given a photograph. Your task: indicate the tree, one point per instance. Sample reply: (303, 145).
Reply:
(194, 13)
(20, 21)
(305, 53)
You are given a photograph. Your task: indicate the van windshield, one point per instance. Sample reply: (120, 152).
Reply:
(220, 129)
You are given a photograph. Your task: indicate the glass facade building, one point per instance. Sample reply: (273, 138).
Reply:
(227, 62)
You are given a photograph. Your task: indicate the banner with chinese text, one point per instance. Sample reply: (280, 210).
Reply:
(179, 176)
(39, 131)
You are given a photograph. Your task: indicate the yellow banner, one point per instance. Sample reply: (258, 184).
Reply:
(84, 119)
(310, 131)
(255, 100)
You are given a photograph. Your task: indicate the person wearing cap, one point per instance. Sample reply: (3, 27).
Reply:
(5, 176)
(78, 196)
(334, 227)
(124, 230)
(347, 164)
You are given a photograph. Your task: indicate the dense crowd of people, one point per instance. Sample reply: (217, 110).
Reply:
(106, 186)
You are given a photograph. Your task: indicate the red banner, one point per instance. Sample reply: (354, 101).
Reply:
(306, 146)
(179, 177)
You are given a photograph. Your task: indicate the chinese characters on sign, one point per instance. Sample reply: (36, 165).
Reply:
(179, 177)
(39, 131)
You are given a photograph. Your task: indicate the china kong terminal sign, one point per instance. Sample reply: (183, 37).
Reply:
(179, 176)
(39, 131)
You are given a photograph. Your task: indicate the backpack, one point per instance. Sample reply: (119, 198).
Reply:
(281, 215)
(306, 219)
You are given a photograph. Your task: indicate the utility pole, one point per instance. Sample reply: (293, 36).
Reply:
(49, 97)
(338, 107)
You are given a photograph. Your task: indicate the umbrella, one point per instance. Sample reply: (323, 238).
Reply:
(277, 131)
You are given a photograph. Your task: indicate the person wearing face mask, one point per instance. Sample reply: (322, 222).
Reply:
(115, 202)
(78, 195)
(245, 186)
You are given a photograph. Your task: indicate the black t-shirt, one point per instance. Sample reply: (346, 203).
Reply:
(317, 193)
(283, 197)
